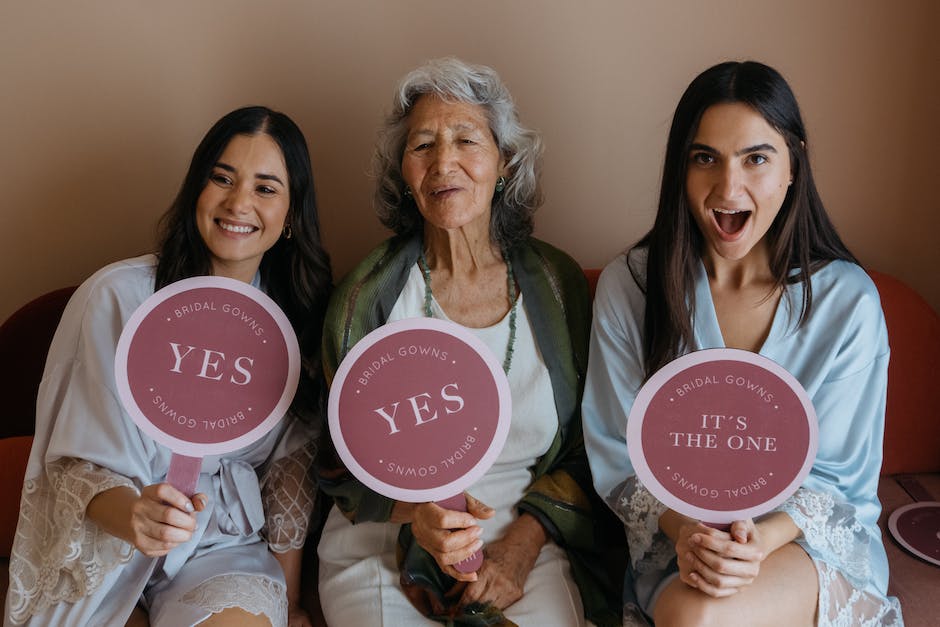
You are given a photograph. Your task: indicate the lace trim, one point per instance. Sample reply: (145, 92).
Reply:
(843, 605)
(58, 554)
(650, 548)
(831, 530)
(253, 593)
(289, 495)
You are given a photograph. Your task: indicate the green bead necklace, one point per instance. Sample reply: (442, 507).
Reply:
(510, 284)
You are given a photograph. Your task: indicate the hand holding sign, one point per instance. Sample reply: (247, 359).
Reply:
(206, 366)
(418, 411)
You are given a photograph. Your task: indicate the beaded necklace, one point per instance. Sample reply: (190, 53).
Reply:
(510, 284)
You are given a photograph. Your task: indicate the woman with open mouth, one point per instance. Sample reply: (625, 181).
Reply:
(743, 255)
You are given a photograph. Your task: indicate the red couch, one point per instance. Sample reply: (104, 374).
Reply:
(911, 469)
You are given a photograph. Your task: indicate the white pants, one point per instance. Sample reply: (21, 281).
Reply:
(359, 582)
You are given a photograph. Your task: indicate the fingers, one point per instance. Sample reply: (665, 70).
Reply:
(742, 530)
(478, 508)
(724, 547)
(169, 495)
(449, 536)
(695, 580)
(161, 520)
(200, 502)
(495, 585)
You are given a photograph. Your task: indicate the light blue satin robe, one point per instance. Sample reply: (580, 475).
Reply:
(839, 355)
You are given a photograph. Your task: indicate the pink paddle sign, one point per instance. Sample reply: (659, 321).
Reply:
(722, 435)
(206, 366)
(916, 527)
(418, 411)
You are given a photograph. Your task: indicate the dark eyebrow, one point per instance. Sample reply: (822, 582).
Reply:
(743, 151)
(756, 148)
(263, 177)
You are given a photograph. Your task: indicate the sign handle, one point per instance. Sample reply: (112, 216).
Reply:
(472, 564)
(184, 473)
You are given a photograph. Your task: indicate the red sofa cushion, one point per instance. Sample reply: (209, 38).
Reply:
(912, 430)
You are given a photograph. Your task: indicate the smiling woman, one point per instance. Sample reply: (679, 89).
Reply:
(242, 211)
(96, 510)
(458, 183)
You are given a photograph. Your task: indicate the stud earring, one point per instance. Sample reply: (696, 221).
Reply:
(407, 192)
(288, 232)
(500, 184)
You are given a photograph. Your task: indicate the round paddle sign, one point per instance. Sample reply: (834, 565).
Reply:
(916, 526)
(419, 410)
(722, 435)
(206, 366)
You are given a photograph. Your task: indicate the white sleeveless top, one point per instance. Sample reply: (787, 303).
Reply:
(534, 417)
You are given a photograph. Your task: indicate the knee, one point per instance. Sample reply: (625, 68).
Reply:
(691, 610)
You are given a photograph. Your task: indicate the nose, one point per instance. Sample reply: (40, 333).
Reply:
(445, 158)
(728, 182)
(238, 199)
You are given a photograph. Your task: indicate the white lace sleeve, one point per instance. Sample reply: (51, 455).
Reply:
(289, 493)
(59, 554)
(839, 546)
(650, 548)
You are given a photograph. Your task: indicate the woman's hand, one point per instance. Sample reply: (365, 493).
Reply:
(719, 563)
(507, 563)
(448, 535)
(156, 521)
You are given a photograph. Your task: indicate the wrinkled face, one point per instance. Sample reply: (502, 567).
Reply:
(738, 175)
(242, 210)
(451, 162)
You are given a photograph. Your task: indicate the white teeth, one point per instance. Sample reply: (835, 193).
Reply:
(729, 211)
(234, 228)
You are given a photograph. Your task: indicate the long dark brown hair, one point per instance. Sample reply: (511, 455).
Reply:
(295, 272)
(801, 239)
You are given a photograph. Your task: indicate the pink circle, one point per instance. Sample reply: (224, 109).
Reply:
(722, 435)
(207, 365)
(419, 409)
(916, 526)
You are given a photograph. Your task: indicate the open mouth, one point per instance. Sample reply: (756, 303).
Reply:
(240, 229)
(731, 221)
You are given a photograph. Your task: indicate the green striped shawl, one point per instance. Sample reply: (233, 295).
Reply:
(561, 496)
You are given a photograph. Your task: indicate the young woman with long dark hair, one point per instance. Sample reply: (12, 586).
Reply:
(96, 511)
(743, 255)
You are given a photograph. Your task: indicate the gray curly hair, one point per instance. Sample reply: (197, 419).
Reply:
(454, 80)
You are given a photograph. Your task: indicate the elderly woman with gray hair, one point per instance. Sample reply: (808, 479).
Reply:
(458, 182)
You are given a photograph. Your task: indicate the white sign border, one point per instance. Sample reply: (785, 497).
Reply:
(893, 528)
(667, 372)
(458, 485)
(197, 449)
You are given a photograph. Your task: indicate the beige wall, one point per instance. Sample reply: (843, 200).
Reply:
(102, 103)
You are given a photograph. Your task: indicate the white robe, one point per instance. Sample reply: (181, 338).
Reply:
(64, 570)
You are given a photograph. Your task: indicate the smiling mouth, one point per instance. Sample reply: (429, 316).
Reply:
(236, 228)
(731, 221)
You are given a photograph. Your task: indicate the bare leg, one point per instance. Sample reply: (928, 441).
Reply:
(236, 617)
(784, 593)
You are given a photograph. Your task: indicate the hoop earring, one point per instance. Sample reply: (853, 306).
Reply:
(288, 232)
(500, 184)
